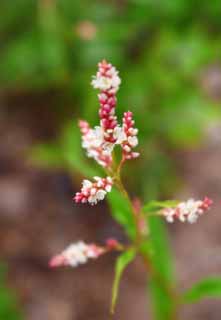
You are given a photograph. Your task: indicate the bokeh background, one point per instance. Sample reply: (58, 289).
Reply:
(168, 54)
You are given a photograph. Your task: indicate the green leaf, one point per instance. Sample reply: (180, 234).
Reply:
(9, 308)
(122, 262)
(161, 255)
(122, 212)
(161, 283)
(157, 205)
(208, 288)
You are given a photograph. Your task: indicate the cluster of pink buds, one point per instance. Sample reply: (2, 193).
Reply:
(76, 254)
(187, 211)
(100, 141)
(93, 192)
(79, 253)
(131, 140)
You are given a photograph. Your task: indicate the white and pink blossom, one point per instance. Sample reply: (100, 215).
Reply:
(93, 142)
(92, 192)
(187, 211)
(107, 78)
(76, 254)
(107, 81)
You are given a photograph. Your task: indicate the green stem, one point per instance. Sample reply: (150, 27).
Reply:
(145, 257)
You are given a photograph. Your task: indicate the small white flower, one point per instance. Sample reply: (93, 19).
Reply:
(133, 141)
(93, 141)
(101, 194)
(107, 81)
(127, 148)
(119, 135)
(87, 184)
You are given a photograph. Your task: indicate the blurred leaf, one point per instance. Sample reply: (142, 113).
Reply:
(157, 205)
(160, 247)
(207, 288)
(8, 305)
(46, 155)
(122, 262)
(67, 153)
(73, 153)
(121, 211)
(162, 282)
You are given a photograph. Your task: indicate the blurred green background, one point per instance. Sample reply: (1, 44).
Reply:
(168, 55)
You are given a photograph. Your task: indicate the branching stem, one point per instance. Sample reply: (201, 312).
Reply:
(138, 242)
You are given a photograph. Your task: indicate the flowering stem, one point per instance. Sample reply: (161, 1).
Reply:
(138, 244)
(124, 192)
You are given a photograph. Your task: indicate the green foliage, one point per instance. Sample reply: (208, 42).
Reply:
(122, 262)
(73, 154)
(207, 288)
(121, 211)
(46, 155)
(154, 206)
(67, 153)
(8, 304)
(161, 51)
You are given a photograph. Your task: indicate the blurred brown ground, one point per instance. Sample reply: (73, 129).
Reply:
(38, 219)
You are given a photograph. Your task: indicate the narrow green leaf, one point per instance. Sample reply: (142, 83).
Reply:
(161, 282)
(208, 288)
(121, 211)
(122, 262)
(157, 205)
(161, 255)
(9, 307)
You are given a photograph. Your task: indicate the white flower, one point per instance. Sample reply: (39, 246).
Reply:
(94, 143)
(108, 80)
(119, 135)
(102, 83)
(133, 141)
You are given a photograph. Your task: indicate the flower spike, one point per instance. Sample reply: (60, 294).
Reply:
(92, 192)
(100, 141)
(76, 254)
(79, 253)
(108, 82)
(187, 211)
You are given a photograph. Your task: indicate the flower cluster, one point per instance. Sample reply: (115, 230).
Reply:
(92, 141)
(93, 192)
(76, 254)
(187, 211)
(100, 141)
(79, 253)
